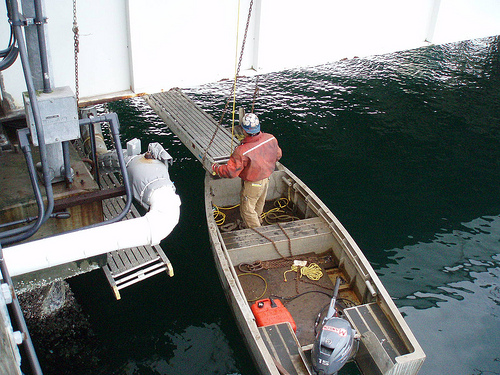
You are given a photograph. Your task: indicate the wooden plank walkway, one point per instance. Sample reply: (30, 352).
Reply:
(129, 266)
(199, 132)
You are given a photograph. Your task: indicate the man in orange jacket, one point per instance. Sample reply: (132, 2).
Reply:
(253, 161)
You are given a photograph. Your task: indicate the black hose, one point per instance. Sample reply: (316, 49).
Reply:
(112, 118)
(93, 153)
(9, 55)
(5, 52)
(12, 39)
(288, 299)
(10, 58)
(57, 215)
(66, 159)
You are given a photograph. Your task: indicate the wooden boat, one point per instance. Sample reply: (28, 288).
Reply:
(306, 231)
(254, 264)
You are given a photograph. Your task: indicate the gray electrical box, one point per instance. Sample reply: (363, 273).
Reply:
(59, 114)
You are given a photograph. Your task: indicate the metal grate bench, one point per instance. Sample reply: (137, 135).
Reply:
(129, 266)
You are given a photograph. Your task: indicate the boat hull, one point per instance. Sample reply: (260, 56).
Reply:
(317, 230)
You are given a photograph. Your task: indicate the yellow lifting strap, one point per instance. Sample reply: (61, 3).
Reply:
(236, 68)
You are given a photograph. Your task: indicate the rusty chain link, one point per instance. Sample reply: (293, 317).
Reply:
(233, 86)
(77, 50)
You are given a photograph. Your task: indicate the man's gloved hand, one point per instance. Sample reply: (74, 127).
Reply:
(215, 169)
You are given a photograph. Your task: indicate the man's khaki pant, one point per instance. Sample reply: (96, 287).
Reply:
(253, 197)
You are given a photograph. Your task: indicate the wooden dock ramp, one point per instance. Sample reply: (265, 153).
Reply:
(129, 266)
(201, 134)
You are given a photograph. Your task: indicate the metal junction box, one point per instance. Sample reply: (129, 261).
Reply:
(59, 114)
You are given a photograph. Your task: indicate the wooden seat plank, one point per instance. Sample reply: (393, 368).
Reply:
(369, 317)
(295, 229)
(284, 347)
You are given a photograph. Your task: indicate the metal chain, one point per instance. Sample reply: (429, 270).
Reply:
(270, 240)
(244, 39)
(274, 244)
(240, 59)
(288, 237)
(233, 86)
(77, 50)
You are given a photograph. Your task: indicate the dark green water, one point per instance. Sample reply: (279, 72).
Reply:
(404, 148)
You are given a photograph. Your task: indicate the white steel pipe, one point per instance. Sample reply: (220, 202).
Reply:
(149, 229)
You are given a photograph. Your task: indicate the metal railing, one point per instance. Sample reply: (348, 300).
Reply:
(19, 319)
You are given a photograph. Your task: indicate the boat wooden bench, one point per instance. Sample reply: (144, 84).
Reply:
(285, 349)
(129, 266)
(380, 344)
(259, 243)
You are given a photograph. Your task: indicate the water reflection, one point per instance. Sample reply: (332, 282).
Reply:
(448, 290)
(460, 333)
(195, 350)
(404, 148)
(434, 268)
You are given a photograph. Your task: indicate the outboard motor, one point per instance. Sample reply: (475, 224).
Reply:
(335, 342)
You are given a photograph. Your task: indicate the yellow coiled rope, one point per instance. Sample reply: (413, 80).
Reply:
(276, 214)
(219, 216)
(265, 285)
(312, 271)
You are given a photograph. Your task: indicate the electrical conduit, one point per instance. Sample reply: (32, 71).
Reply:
(23, 233)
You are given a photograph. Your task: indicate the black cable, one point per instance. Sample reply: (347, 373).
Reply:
(9, 54)
(288, 299)
(4, 52)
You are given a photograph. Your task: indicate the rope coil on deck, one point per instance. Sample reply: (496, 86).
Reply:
(277, 213)
(265, 285)
(312, 271)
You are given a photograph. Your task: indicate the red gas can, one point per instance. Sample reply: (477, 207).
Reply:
(271, 311)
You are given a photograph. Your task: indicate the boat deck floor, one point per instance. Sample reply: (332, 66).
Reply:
(304, 298)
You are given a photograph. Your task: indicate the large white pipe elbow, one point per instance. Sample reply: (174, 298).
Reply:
(149, 229)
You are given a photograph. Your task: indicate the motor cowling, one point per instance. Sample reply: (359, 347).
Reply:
(335, 345)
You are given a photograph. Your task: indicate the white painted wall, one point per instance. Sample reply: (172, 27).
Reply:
(184, 43)
(325, 31)
(153, 45)
(103, 58)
